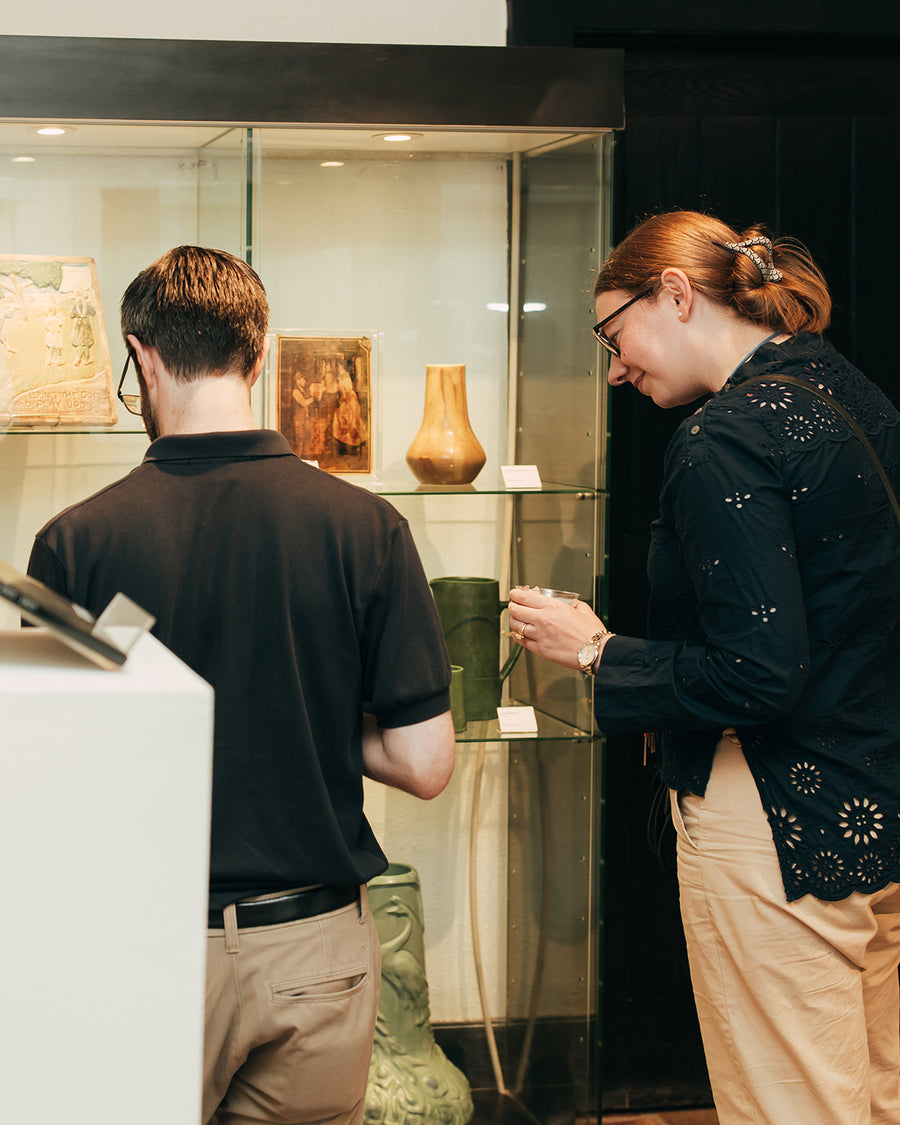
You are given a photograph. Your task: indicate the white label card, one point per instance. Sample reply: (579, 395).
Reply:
(517, 720)
(521, 476)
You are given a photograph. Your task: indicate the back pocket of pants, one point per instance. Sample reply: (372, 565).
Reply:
(334, 986)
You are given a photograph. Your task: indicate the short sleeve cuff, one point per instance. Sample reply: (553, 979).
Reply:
(416, 712)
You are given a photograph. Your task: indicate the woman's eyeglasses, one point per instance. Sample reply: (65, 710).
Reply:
(132, 403)
(611, 346)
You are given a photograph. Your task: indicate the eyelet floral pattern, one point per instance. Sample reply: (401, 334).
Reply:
(825, 866)
(805, 778)
(878, 761)
(764, 612)
(773, 571)
(786, 829)
(771, 396)
(860, 820)
(870, 869)
(800, 427)
(827, 419)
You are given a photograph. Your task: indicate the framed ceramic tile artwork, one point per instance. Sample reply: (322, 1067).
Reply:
(54, 355)
(324, 396)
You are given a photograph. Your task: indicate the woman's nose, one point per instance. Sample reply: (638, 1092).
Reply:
(617, 371)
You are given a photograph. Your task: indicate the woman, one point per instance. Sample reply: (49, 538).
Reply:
(771, 676)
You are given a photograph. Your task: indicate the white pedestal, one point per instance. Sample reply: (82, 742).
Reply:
(104, 856)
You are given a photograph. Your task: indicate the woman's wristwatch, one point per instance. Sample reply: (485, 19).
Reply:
(589, 652)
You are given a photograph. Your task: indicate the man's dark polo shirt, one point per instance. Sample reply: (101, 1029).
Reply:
(302, 600)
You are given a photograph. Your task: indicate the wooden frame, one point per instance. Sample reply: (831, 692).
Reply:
(324, 395)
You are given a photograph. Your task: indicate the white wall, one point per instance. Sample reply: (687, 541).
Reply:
(466, 22)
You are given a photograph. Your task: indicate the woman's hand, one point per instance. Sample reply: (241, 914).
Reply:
(551, 627)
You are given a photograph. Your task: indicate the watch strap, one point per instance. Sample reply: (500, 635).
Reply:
(598, 640)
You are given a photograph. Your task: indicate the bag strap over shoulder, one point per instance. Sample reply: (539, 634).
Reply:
(848, 418)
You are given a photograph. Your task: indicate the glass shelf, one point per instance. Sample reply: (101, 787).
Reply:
(486, 484)
(46, 427)
(549, 730)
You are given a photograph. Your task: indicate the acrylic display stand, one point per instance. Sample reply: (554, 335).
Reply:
(104, 839)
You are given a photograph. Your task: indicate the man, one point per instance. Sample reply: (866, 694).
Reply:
(302, 600)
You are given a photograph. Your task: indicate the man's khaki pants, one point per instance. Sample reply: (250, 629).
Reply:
(798, 1002)
(290, 1019)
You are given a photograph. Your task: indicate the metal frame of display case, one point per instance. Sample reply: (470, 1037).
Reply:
(346, 84)
(541, 92)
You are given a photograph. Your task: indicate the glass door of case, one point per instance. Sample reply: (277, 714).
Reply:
(555, 921)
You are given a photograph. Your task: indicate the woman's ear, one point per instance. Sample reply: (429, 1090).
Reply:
(676, 287)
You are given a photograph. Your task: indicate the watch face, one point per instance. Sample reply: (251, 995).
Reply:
(587, 654)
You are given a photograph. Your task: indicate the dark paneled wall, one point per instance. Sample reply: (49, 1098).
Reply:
(535, 22)
(790, 114)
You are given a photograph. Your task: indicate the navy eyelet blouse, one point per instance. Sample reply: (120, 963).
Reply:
(775, 595)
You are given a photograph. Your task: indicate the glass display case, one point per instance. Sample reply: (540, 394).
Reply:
(414, 206)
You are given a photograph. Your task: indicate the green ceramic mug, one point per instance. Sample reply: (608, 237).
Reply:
(469, 609)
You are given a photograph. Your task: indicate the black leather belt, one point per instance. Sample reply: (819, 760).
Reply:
(286, 908)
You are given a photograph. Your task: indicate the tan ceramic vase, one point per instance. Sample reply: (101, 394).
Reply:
(445, 450)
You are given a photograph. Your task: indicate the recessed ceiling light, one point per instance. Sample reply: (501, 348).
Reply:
(53, 130)
(23, 160)
(332, 164)
(396, 138)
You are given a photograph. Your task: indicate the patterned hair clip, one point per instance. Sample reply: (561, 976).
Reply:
(766, 269)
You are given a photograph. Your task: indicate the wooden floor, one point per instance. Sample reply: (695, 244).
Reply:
(664, 1117)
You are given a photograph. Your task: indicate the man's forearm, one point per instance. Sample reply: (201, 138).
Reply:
(417, 759)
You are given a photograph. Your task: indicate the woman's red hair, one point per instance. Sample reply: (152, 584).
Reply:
(695, 243)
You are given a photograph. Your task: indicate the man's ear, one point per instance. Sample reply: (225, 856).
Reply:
(260, 363)
(676, 287)
(147, 358)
